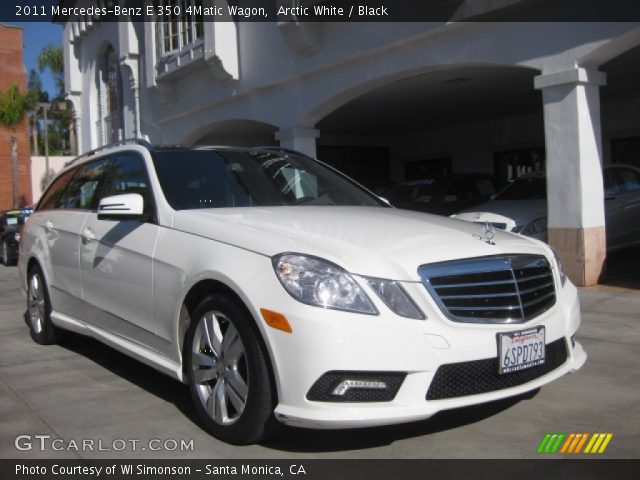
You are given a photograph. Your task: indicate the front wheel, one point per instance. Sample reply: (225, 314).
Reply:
(228, 374)
(6, 261)
(42, 330)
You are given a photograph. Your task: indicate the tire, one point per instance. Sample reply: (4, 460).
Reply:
(42, 330)
(5, 253)
(228, 373)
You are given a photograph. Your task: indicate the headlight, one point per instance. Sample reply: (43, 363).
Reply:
(563, 276)
(320, 283)
(533, 228)
(395, 297)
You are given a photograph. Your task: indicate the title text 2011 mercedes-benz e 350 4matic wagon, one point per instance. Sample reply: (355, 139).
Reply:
(280, 290)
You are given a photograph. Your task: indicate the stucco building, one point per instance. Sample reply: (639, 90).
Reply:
(381, 101)
(12, 72)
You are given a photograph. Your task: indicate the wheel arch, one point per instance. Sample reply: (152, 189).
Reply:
(211, 286)
(33, 261)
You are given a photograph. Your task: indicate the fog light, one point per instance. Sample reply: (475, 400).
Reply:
(346, 385)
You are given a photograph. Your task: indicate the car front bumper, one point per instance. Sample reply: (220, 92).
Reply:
(327, 341)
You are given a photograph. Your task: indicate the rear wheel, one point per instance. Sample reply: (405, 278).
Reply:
(39, 309)
(228, 374)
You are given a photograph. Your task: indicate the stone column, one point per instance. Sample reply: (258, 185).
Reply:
(301, 139)
(574, 170)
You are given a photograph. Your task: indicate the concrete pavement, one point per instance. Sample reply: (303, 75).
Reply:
(83, 391)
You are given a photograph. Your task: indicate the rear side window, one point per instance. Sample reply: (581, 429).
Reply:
(84, 188)
(52, 197)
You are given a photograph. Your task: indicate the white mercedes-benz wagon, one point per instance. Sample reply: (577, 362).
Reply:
(282, 291)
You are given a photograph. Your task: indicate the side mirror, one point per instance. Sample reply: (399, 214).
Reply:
(128, 206)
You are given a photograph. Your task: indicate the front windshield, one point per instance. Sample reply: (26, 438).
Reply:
(192, 179)
(528, 187)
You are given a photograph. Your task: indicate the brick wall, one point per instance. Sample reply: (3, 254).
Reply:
(12, 71)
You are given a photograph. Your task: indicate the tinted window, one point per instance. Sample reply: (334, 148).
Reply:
(416, 190)
(463, 189)
(530, 187)
(611, 184)
(128, 174)
(82, 191)
(53, 195)
(486, 186)
(215, 179)
(630, 180)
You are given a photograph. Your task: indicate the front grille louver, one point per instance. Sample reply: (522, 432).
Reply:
(499, 289)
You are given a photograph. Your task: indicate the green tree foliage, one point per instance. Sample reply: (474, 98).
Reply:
(13, 108)
(51, 58)
(34, 88)
(61, 117)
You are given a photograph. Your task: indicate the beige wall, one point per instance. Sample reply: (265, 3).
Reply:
(38, 167)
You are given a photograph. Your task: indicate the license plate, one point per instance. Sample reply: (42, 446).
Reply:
(520, 350)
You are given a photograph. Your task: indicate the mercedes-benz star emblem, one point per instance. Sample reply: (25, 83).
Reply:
(489, 232)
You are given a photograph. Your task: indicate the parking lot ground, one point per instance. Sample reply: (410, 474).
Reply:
(81, 390)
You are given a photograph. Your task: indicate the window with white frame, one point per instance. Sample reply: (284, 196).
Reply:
(180, 27)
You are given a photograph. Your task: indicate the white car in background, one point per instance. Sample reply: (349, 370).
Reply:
(281, 291)
(521, 207)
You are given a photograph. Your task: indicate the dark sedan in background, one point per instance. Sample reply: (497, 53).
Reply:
(10, 227)
(443, 194)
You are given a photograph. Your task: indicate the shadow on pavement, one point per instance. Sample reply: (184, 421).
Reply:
(622, 268)
(133, 371)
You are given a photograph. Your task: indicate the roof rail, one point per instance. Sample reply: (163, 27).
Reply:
(126, 141)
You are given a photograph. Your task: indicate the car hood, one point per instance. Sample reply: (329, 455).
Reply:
(377, 242)
(509, 212)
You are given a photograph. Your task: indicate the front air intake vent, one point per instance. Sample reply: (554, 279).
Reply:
(481, 376)
(500, 289)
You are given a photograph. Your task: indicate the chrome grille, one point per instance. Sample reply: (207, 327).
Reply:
(500, 289)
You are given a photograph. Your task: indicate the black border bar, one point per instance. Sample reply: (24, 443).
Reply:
(311, 469)
(61, 11)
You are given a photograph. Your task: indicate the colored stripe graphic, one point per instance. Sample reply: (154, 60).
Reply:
(573, 443)
(598, 442)
(550, 443)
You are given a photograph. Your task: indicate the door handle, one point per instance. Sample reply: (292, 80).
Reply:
(88, 235)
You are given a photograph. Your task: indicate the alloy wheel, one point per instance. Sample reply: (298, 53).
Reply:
(37, 303)
(220, 371)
